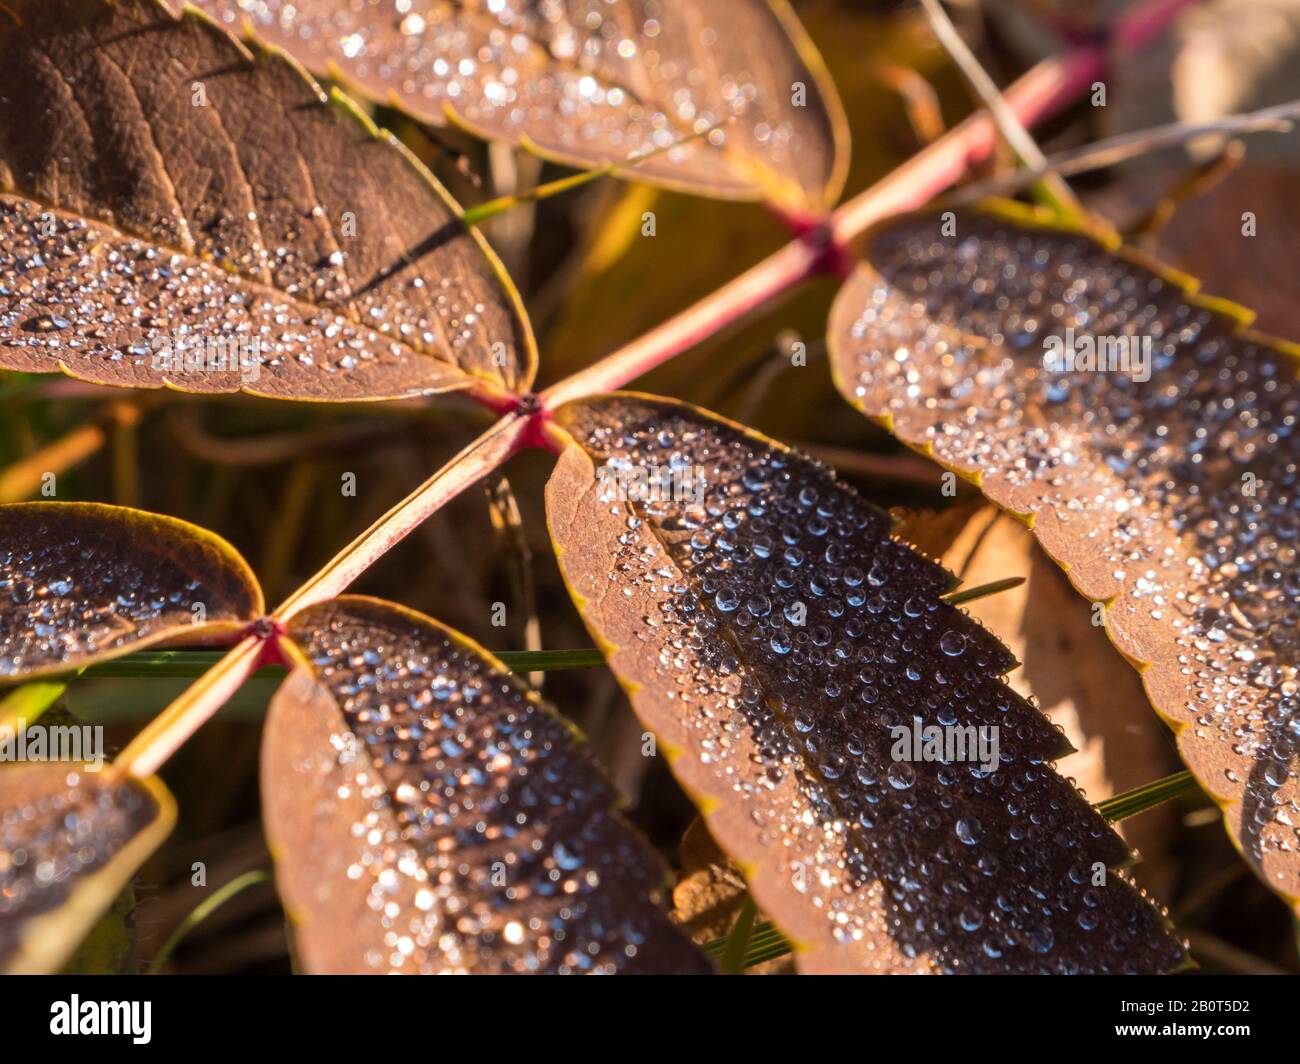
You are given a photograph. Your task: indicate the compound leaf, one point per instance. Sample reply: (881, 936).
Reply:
(594, 84)
(774, 637)
(84, 582)
(1172, 500)
(177, 210)
(70, 841)
(428, 813)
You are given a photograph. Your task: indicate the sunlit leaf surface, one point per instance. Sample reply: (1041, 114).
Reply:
(430, 814)
(772, 634)
(593, 82)
(176, 210)
(80, 582)
(1173, 500)
(69, 842)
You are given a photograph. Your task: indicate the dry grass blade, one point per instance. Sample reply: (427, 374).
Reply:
(1149, 438)
(266, 237)
(1009, 126)
(834, 720)
(1108, 152)
(429, 813)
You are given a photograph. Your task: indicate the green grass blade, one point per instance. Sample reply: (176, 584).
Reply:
(1147, 796)
(203, 910)
(165, 664)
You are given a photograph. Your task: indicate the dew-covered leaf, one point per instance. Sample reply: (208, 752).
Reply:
(83, 582)
(592, 83)
(1173, 500)
(772, 635)
(70, 841)
(1069, 670)
(178, 210)
(429, 813)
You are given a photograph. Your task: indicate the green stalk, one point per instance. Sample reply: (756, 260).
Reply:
(29, 701)
(171, 664)
(203, 910)
(736, 948)
(956, 598)
(1147, 796)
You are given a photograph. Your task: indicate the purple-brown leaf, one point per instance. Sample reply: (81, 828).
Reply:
(773, 636)
(82, 582)
(1172, 500)
(591, 83)
(177, 210)
(70, 840)
(429, 813)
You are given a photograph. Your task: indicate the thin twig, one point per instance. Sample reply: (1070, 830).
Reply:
(1114, 150)
(970, 594)
(203, 910)
(1008, 122)
(476, 461)
(163, 735)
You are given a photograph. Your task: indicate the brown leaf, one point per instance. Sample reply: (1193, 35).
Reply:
(710, 890)
(429, 813)
(1172, 500)
(83, 582)
(592, 84)
(70, 840)
(1070, 671)
(1208, 238)
(868, 858)
(709, 894)
(178, 210)
(933, 534)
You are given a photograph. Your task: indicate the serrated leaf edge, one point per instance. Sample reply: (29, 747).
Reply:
(1240, 319)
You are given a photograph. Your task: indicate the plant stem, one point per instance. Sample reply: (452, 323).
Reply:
(23, 705)
(754, 288)
(166, 732)
(1102, 153)
(1051, 187)
(1147, 796)
(1040, 92)
(970, 594)
(476, 461)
